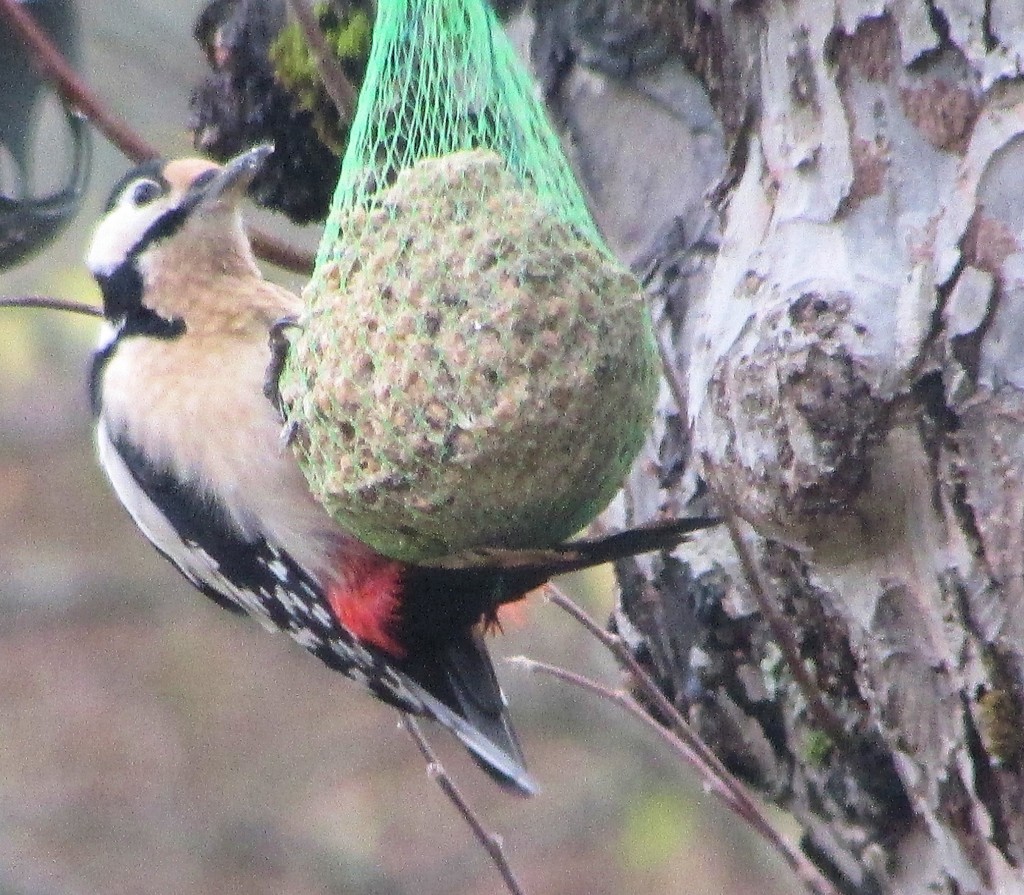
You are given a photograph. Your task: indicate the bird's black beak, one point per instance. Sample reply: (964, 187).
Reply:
(233, 178)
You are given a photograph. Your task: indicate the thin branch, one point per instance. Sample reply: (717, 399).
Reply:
(278, 251)
(619, 697)
(49, 303)
(490, 841)
(671, 374)
(820, 711)
(338, 87)
(53, 67)
(716, 776)
(707, 761)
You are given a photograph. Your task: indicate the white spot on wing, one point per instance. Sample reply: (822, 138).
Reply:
(310, 623)
(305, 638)
(279, 570)
(108, 335)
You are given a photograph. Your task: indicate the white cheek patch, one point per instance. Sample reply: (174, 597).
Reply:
(118, 233)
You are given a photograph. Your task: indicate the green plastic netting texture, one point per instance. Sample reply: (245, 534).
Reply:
(443, 77)
(473, 367)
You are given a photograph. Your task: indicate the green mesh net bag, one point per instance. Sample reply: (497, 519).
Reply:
(473, 368)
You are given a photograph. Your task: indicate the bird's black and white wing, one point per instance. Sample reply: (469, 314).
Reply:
(247, 574)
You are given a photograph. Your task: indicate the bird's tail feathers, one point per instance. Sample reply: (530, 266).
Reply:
(547, 562)
(649, 538)
(456, 681)
(461, 692)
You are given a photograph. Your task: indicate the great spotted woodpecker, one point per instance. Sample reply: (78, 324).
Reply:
(192, 447)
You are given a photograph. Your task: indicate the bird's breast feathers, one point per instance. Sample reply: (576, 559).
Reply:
(194, 407)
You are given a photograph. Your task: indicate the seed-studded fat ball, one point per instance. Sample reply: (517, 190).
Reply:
(470, 371)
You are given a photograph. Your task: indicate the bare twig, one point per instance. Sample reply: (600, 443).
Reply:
(820, 711)
(53, 67)
(706, 761)
(675, 383)
(619, 697)
(279, 252)
(717, 778)
(49, 303)
(490, 841)
(338, 87)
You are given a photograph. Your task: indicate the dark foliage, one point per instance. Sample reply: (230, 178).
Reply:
(240, 104)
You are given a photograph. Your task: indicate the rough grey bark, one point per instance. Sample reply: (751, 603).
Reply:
(845, 340)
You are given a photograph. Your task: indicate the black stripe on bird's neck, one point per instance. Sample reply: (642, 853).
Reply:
(122, 291)
(123, 306)
(169, 223)
(138, 320)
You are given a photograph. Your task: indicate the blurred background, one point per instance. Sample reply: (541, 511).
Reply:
(150, 743)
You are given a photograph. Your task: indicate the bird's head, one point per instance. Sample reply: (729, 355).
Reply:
(168, 225)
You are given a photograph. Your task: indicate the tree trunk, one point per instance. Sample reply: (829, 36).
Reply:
(846, 357)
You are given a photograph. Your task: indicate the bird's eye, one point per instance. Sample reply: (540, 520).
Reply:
(145, 191)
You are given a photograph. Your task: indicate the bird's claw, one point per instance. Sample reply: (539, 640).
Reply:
(289, 433)
(279, 345)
